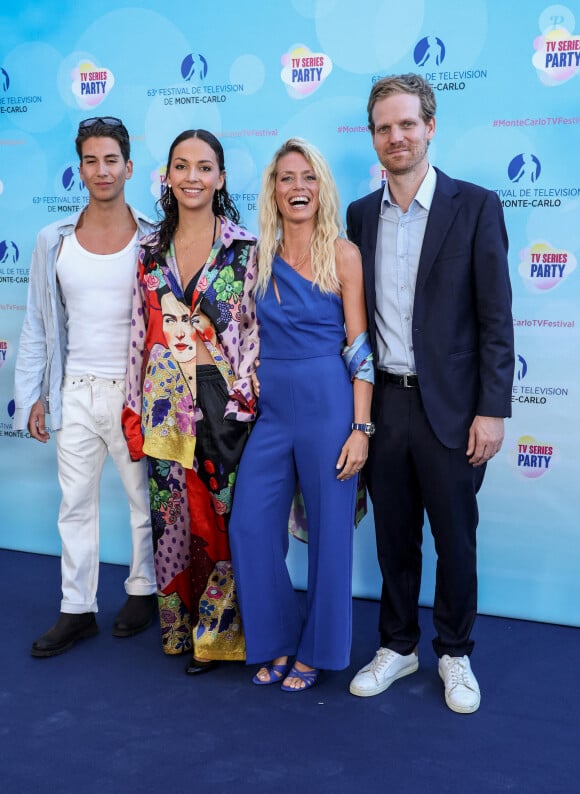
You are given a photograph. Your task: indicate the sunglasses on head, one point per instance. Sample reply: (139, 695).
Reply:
(109, 121)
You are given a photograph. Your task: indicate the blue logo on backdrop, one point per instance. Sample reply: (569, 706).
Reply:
(14, 104)
(429, 51)
(194, 70)
(68, 179)
(534, 393)
(524, 167)
(9, 253)
(11, 408)
(192, 65)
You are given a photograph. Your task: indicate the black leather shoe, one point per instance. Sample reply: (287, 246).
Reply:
(135, 616)
(65, 632)
(196, 667)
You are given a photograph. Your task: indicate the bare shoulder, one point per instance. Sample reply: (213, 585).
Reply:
(348, 261)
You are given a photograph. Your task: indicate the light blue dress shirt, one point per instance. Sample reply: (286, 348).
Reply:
(399, 241)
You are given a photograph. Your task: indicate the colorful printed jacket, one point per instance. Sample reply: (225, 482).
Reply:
(225, 292)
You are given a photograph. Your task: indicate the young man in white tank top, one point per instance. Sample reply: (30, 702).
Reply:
(71, 363)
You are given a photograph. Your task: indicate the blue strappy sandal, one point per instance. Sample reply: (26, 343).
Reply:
(276, 673)
(310, 677)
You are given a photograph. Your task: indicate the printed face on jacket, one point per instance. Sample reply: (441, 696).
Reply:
(178, 328)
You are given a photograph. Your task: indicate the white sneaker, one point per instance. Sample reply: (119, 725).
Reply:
(461, 688)
(380, 673)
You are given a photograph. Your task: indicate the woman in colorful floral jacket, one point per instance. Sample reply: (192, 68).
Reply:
(194, 340)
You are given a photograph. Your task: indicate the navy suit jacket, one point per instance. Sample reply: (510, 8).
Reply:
(462, 320)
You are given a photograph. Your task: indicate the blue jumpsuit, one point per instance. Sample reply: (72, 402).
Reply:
(305, 412)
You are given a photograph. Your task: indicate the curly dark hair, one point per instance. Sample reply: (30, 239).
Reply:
(223, 204)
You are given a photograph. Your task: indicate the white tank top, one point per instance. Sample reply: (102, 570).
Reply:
(97, 290)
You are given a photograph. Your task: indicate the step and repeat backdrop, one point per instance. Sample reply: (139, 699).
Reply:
(507, 80)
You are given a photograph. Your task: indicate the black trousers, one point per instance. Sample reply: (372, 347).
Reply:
(409, 472)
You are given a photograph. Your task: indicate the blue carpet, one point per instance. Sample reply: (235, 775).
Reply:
(116, 715)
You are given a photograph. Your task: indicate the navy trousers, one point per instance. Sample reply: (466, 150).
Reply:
(408, 472)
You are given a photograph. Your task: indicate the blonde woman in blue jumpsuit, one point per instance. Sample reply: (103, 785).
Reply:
(313, 426)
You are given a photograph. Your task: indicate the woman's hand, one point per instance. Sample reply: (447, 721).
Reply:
(255, 381)
(353, 455)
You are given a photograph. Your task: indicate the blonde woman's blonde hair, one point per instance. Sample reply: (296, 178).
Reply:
(328, 225)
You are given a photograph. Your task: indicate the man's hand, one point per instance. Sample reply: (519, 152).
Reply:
(485, 439)
(36, 423)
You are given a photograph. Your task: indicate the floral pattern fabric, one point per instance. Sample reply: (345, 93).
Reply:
(222, 314)
(190, 487)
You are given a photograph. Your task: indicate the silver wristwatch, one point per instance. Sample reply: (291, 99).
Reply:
(367, 428)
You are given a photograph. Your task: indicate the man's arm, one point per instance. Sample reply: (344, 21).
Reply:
(493, 304)
(31, 359)
(496, 335)
(352, 228)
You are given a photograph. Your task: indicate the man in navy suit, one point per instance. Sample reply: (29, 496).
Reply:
(438, 298)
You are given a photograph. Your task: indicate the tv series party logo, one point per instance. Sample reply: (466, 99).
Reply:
(544, 267)
(3, 351)
(533, 458)
(91, 84)
(304, 71)
(557, 49)
(158, 179)
(378, 176)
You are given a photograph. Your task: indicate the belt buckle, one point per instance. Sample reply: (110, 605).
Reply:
(406, 383)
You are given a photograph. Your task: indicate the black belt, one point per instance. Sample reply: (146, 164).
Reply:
(407, 381)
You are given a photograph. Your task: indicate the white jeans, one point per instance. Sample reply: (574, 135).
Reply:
(91, 428)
